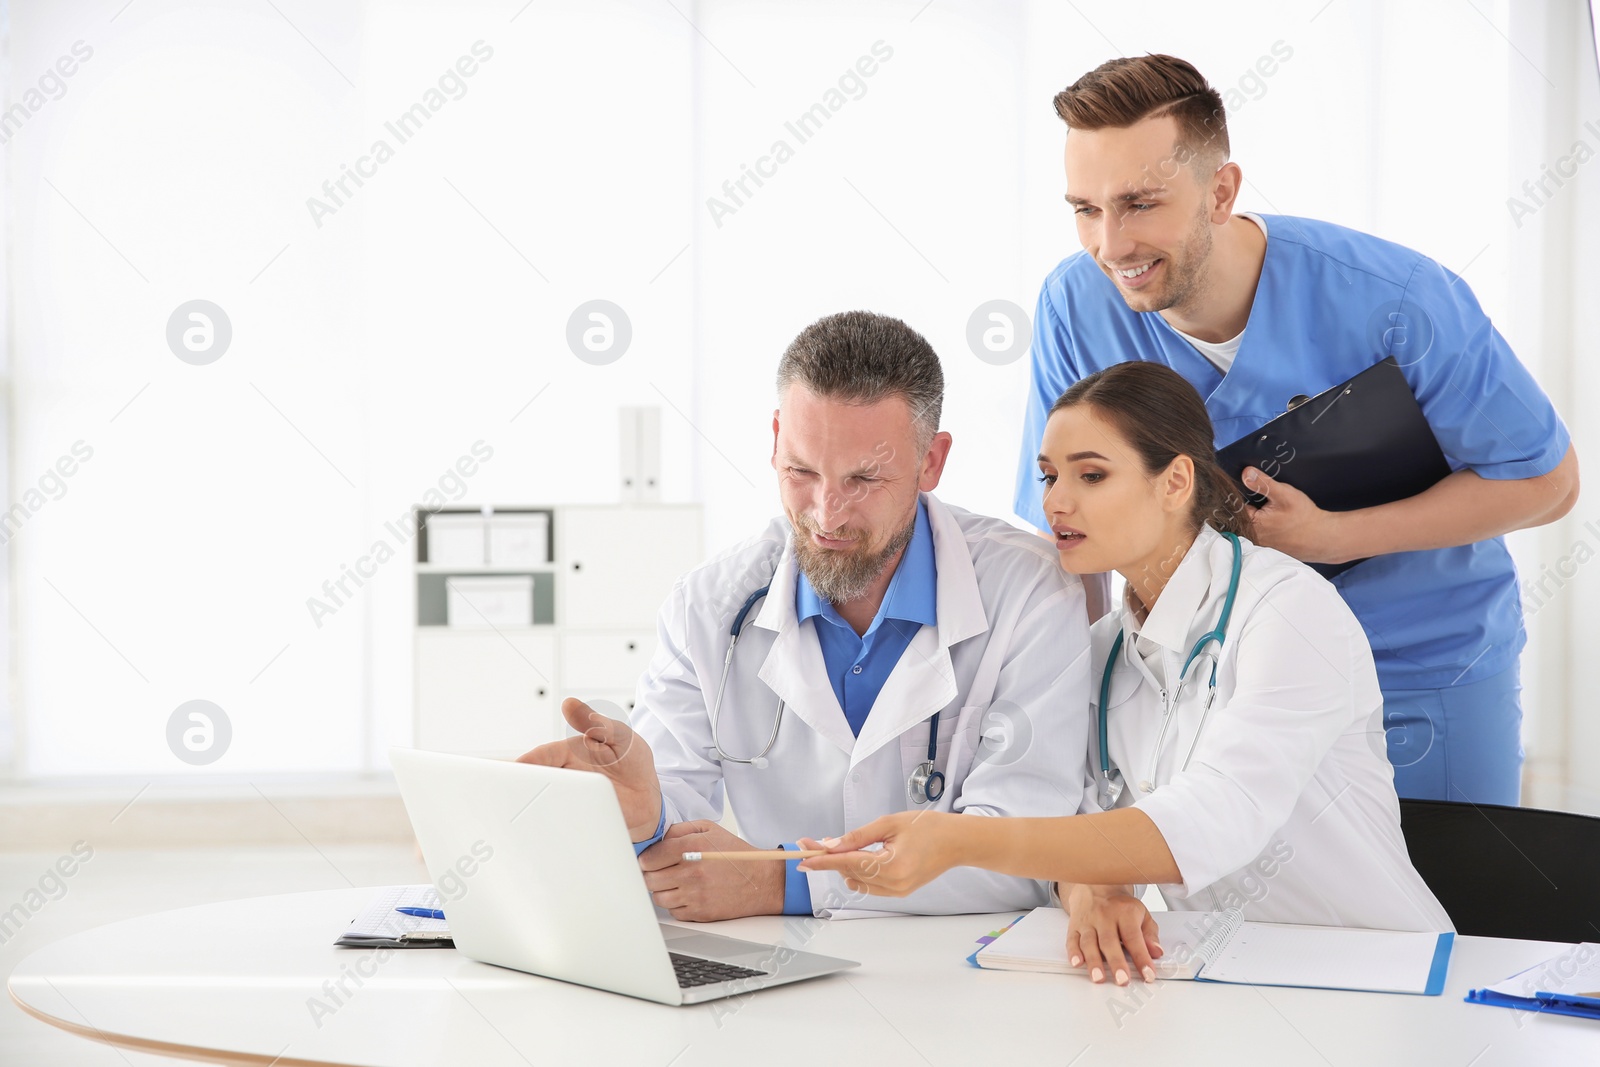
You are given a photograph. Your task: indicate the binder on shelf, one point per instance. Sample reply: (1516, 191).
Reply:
(1222, 947)
(639, 455)
(1362, 443)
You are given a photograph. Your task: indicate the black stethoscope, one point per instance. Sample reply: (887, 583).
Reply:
(925, 784)
(1217, 633)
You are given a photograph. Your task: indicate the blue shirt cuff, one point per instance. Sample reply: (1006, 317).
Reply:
(661, 829)
(796, 887)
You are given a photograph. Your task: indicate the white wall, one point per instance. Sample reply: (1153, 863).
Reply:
(370, 355)
(422, 315)
(1555, 322)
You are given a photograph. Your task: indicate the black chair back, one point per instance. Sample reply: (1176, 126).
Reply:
(1508, 872)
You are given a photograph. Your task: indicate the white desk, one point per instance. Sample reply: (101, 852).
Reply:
(184, 983)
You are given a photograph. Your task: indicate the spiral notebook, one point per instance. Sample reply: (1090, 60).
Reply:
(1222, 947)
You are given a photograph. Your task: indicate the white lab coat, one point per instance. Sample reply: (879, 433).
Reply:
(1008, 657)
(1287, 808)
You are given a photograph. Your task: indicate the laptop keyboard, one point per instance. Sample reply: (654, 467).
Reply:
(693, 971)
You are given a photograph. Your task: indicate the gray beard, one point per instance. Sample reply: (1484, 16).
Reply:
(840, 577)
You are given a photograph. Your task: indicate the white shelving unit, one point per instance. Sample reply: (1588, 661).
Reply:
(591, 632)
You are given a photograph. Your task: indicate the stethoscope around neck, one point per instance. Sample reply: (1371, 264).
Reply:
(925, 785)
(1217, 634)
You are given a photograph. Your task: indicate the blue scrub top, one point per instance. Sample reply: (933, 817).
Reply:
(1332, 302)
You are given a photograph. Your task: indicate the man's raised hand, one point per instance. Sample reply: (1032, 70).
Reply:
(610, 747)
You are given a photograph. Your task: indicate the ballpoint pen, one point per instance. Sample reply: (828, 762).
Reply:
(422, 913)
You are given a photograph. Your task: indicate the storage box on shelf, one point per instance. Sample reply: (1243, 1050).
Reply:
(560, 602)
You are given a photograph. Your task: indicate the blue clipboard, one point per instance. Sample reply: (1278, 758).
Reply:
(1540, 1003)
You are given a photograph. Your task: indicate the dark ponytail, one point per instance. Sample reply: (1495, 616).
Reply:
(1162, 417)
(1218, 500)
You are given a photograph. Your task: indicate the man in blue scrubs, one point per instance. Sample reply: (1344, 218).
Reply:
(1257, 309)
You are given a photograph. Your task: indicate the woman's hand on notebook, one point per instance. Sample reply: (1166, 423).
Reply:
(1110, 931)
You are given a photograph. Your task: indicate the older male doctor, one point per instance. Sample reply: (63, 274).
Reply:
(897, 654)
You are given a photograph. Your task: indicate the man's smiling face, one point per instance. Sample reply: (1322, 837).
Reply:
(1142, 211)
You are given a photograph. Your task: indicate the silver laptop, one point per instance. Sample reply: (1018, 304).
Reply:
(535, 871)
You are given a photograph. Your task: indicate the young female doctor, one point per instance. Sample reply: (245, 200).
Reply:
(1239, 756)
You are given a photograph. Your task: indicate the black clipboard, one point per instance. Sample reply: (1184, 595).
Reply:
(1362, 443)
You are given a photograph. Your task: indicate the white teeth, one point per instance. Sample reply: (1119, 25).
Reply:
(1136, 271)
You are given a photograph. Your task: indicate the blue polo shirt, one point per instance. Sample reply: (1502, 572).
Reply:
(1332, 302)
(858, 666)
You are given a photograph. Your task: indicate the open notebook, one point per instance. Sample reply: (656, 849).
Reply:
(1223, 947)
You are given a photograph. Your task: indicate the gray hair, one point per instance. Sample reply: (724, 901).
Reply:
(860, 358)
